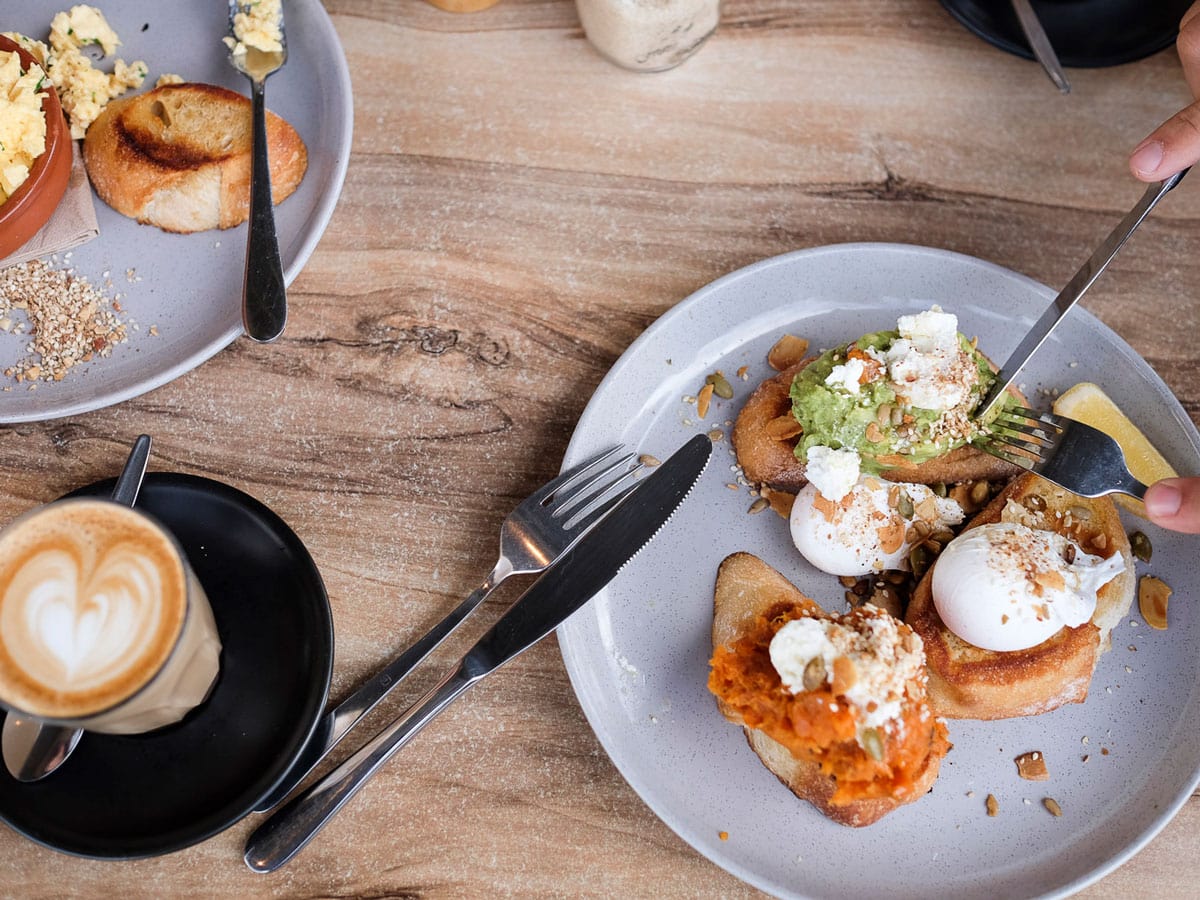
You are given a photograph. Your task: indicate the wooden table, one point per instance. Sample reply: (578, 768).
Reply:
(517, 211)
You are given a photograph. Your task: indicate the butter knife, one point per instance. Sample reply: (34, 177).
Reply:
(1069, 295)
(565, 587)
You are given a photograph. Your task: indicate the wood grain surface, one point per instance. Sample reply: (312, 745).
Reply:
(517, 211)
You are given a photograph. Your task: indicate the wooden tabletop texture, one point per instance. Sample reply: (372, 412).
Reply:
(516, 212)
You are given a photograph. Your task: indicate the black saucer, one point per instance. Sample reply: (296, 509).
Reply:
(123, 797)
(1084, 33)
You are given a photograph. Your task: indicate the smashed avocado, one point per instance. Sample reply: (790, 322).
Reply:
(885, 434)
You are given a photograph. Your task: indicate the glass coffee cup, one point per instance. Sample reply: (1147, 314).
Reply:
(103, 624)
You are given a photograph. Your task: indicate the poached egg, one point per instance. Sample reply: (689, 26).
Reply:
(1006, 586)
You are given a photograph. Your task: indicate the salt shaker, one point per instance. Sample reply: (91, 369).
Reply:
(648, 35)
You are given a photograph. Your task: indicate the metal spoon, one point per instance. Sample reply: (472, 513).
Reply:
(1040, 44)
(264, 295)
(33, 749)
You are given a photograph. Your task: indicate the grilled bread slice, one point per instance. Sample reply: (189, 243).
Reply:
(766, 446)
(747, 590)
(967, 682)
(178, 157)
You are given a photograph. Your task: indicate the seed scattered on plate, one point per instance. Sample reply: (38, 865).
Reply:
(993, 805)
(70, 321)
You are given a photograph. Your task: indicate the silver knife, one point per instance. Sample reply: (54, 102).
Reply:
(1067, 297)
(1040, 44)
(563, 589)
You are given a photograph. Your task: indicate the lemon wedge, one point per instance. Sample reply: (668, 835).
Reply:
(1087, 403)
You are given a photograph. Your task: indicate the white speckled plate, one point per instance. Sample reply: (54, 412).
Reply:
(638, 653)
(190, 286)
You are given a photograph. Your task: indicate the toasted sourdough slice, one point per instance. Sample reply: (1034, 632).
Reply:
(179, 157)
(748, 589)
(768, 459)
(967, 682)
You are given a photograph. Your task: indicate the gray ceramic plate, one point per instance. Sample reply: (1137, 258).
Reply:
(637, 655)
(190, 286)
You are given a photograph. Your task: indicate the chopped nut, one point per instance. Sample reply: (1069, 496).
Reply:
(1032, 766)
(758, 506)
(993, 805)
(788, 351)
(649, 461)
(781, 502)
(845, 675)
(1153, 594)
(1052, 805)
(783, 428)
(703, 399)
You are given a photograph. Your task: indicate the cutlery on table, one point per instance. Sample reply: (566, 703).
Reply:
(566, 586)
(1075, 456)
(264, 295)
(1040, 44)
(33, 749)
(1076, 287)
(542, 528)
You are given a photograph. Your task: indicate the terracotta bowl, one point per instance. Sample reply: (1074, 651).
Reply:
(27, 210)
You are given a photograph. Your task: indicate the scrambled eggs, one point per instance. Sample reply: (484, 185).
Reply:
(83, 89)
(22, 122)
(258, 27)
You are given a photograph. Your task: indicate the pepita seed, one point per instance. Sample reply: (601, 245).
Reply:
(940, 489)
(721, 387)
(904, 505)
(814, 673)
(918, 561)
(1140, 544)
(873, 743)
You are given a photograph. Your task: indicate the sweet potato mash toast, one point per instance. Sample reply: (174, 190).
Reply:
(814, 740)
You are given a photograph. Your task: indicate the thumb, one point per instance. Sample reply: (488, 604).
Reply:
(1174, 503)
(1172, 147)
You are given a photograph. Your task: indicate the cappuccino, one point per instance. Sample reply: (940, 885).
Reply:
(103, 624)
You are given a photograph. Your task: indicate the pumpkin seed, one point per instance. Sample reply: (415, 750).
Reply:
(873, 743)
(904, 505)
(940, 489)
(1140, 544)
(721, 387)
(814, 673)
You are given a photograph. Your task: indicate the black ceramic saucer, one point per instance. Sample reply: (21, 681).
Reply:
(1084, 33)
(122, 797)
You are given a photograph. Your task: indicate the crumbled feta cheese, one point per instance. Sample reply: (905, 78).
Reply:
(832, 472)
(930, 330)
(884, 660)
(927, 366)
(847, 377)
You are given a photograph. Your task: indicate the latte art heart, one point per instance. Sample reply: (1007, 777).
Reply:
(80, 630)
(93, 597)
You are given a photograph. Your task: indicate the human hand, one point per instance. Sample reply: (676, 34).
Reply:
(1175, 144)
(1174, 503)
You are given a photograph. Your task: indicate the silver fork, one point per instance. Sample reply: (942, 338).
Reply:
(264, 295)
(1075, 456)
(543, 527)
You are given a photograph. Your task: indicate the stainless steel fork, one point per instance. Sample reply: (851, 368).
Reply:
(1075, 456)
(543, 527)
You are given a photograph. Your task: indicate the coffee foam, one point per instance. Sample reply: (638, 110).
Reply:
(92, 599)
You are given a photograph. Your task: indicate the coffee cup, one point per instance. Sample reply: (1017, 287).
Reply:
(103, 624)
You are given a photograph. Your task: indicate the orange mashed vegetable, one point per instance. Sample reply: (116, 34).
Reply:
(819, 725)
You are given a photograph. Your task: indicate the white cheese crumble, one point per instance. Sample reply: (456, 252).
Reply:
(926, 365)
(885, 661)
(832, 472)
(847, 377)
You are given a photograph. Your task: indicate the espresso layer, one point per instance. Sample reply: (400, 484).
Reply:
(92, 600)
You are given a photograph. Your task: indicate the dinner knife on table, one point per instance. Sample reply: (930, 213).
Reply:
(1069, 295)
(564, 588)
